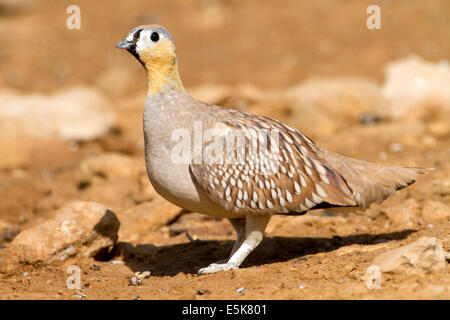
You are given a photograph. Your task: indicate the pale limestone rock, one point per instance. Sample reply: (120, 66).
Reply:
(78, 113)
(79, 229)
(422, 256)
(147, 216)
(415, 88)
(113, 165)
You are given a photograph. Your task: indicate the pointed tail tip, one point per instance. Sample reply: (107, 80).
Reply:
(410, 176)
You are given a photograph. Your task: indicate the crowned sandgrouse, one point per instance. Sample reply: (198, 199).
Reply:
(240, 166)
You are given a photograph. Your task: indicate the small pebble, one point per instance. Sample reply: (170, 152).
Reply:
(25, 274)
(116, 262)
(134, 282)
(430, 225)
(201, 292)
(95, 267)
(300, 260)
(241, 290)
(301, 287)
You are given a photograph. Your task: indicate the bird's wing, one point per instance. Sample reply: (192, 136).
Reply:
(285, 175)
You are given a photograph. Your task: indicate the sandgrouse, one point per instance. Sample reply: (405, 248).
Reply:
(241, 166)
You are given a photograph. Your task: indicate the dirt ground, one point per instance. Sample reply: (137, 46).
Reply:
(266, 46)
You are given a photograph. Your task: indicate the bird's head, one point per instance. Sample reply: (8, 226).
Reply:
(153, 47)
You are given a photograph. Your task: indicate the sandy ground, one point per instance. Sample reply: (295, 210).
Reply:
(234, 43)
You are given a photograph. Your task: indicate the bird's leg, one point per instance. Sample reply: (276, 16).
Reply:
(254, 233)
(239, 227)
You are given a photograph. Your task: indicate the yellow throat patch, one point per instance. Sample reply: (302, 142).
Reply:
(160, 62)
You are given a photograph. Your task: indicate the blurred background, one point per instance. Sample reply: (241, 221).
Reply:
(71, 113)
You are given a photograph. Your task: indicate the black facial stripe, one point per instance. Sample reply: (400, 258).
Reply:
(132, 48)
(136, 35)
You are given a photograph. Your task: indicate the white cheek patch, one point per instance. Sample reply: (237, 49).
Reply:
(130, 37)
(139, 48)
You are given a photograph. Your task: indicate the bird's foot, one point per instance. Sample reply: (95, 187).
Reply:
(216, 267)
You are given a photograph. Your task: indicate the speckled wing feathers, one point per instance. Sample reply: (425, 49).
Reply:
(301, 181)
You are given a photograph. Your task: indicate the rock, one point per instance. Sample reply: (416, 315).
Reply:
(7, 232)
(422, 256)
(147, 216)
(79, 113)
(241, 290)
(416, 89)
(133, 281)
(79, 229)
(117, 194)
(404, 213)
(113, 165)
(434, 210)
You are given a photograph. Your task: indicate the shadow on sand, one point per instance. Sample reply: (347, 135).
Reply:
(189, 257)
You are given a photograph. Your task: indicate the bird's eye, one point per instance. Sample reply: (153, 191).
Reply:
(154, 36)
